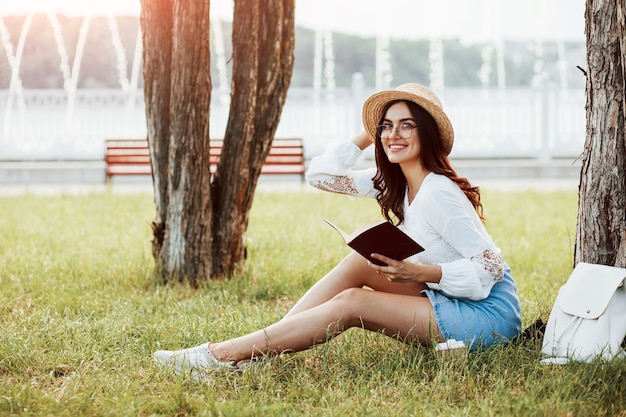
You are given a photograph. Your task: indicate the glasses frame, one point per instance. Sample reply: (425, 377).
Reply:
(401, 130)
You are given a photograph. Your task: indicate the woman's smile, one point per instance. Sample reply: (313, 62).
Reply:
(395, 147)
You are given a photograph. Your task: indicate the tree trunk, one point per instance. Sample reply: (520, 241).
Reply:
(178, 91)
(263, 47)
(601, 231)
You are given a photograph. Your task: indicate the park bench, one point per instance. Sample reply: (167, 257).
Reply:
(131, 157)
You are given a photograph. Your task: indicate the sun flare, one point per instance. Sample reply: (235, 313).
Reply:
(71, 7)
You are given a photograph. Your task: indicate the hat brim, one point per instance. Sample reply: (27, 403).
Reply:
(374, 105)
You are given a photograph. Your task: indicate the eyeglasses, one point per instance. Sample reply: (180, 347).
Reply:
(404, 130)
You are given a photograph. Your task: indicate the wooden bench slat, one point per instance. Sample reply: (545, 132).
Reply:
(119, 158)
(281, 169)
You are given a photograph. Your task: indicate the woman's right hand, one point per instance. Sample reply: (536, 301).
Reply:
(362, 140)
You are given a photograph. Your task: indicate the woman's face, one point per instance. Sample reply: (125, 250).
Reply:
(399, 135)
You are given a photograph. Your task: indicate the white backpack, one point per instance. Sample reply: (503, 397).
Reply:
(588, 319)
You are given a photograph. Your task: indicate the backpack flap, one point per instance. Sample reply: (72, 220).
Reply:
(589, 289)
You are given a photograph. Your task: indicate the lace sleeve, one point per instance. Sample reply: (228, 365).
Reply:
(472, 277)
(332, 171)
(490, 266)
(342, 184)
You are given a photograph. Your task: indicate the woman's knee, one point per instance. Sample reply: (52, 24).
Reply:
(350, 303)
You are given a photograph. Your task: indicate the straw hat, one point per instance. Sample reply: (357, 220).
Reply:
(417, 93)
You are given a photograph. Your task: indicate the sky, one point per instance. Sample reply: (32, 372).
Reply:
(468, 20)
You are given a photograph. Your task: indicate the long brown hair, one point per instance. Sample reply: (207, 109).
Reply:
(433, 158)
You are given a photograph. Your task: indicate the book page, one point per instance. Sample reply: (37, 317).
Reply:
(343, 234)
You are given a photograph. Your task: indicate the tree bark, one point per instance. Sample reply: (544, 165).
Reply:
(601, 230)
(263, 48)
(178, 91)
(156, 24)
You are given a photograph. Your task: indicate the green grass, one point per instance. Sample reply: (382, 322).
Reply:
(81, 313)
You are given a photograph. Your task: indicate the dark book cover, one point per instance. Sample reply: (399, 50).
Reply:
(380, 237)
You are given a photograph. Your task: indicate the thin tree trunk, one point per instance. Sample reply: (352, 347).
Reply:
(275, 69)
(263, 46)
(601, 232)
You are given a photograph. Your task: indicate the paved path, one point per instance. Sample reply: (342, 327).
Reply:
(42, 177)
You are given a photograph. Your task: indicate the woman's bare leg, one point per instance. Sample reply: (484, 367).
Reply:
(408, 317)
(352, 272)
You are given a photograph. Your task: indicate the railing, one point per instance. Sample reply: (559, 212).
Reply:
(489, 123)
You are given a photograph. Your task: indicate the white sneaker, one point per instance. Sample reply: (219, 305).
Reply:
(195, 361)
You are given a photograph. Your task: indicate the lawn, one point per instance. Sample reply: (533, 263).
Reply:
(81, 313)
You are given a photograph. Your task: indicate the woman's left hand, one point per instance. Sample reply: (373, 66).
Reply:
(396, 271)
(405, 271)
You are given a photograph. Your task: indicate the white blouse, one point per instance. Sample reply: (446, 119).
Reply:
(440, 218)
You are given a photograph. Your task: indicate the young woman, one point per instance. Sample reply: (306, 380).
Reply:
(458, 288)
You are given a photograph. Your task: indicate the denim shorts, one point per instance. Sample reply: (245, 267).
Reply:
(480, 324)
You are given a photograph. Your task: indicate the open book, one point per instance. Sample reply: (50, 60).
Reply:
(381, 237)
